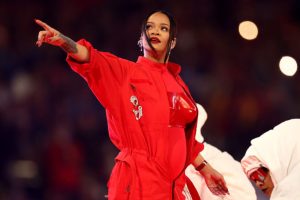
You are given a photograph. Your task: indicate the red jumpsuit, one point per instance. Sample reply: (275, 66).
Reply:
(135, 98)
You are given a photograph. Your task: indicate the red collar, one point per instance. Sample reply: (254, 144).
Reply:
(172, 67)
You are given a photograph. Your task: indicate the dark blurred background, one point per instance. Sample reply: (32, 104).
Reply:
(54, 142)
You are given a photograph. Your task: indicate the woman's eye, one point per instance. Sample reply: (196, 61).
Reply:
(165, 29)
(148, 26)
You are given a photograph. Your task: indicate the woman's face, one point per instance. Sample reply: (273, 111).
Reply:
(158, 32)
(263, 181)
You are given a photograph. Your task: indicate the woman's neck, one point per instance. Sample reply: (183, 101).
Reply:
(155, 57)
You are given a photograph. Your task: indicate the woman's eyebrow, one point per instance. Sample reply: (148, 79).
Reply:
(162, 24)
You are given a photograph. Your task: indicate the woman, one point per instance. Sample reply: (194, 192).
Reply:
(150, 112)
(272, 161)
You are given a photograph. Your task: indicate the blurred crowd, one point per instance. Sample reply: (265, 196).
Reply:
(53, 134)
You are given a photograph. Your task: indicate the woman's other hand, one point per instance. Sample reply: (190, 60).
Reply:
(214, 180)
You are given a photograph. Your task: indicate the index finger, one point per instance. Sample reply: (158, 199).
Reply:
(43, 24)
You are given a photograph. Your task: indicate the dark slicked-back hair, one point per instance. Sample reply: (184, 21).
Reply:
(173, 30)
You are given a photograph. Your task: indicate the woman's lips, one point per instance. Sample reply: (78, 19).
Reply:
(154, 40)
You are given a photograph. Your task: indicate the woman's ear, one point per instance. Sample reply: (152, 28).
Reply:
(173, 43)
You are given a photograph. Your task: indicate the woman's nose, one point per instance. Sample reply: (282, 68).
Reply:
(155, 31)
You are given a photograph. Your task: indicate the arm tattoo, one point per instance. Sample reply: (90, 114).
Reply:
(68, 45)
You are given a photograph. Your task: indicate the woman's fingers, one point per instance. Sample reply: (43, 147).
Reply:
(43, 36)
(218, 188)
(44, 25)
(223, 189)
(222, 185)
(48, 35)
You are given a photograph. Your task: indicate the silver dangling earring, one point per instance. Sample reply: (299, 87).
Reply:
(139, 43)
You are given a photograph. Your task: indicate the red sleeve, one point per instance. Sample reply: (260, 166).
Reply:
(194, 147)
(104, 73)
(197, 148)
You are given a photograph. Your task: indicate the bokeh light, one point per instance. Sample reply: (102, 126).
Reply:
(248, 30)
(288, 65)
